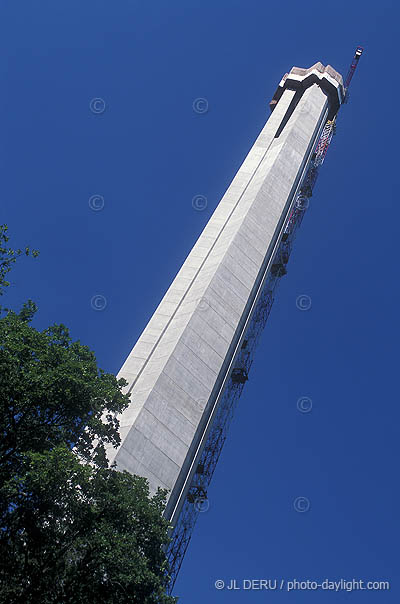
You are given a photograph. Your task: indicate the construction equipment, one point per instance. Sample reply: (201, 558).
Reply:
(353, 67)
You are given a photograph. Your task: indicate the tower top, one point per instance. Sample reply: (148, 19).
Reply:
(326, 77)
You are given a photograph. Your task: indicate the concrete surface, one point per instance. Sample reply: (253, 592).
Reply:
(178, 363)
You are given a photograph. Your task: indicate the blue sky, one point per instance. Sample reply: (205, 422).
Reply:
(148, 154)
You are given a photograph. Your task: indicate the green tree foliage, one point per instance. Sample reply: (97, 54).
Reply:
(8, 257)
(72, 529)
(52, 392)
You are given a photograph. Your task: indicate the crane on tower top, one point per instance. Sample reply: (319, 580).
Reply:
(353, 67)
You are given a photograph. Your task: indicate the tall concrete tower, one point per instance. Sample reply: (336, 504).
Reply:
(188, 353)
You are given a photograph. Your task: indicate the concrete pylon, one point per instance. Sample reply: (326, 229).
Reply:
(177, 366)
